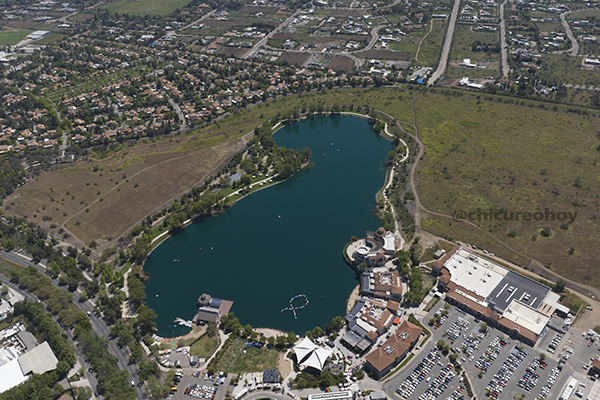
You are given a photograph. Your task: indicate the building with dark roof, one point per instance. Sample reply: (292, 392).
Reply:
(271, 376)
(394, 350)
(211, 309)
(509, 301)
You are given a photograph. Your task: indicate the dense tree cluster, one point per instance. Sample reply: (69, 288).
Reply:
(41, 325)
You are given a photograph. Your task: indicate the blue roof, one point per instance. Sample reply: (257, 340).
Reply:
(216, 303)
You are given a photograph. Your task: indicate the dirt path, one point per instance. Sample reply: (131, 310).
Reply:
(421, 41)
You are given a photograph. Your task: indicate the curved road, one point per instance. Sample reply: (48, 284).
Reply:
(574, 45)
(447, 44)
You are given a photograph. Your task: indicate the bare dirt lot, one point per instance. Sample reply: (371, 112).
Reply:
(341, 63)
(386, 55)
(105, 197)
(236, 52)
(294, 58)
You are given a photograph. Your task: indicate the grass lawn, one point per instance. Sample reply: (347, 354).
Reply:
(203, 346)
(230, 354)
(51, 38)
(143, 7)
(10, 38)
(255, 360)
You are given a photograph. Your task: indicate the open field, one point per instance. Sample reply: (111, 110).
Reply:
(564, 69)
(464, 39)
(296, 59)
(431, 47)
(341, 63)
(255, 360)
(522, 162)
(144, 7)
(10, 38)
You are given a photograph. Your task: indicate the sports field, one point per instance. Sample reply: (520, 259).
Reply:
(10, 38)
(144, 7)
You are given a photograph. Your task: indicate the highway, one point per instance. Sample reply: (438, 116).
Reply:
(98, 324)
(447, 45)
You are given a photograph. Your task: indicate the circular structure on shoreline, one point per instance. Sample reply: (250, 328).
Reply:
(292, 308)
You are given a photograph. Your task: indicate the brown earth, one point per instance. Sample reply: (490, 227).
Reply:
(22, 24)
(294, 58)
(341, 63)
(104, 198)
(236, 52)
(387, 55)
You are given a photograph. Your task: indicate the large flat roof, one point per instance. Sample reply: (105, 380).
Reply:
(526, 317)
(11, 374)
(525, 290)
(38, 360)
(476, 274)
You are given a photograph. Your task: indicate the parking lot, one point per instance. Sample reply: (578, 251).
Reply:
(498, 367)
(197, 387)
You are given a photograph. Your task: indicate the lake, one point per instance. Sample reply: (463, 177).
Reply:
(281, 241)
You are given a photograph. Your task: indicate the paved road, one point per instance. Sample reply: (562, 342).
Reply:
(175, 106)
(80, 357)
(447, 45)
(574, 45)
(504, 46)
(263, 41)
(98, 325)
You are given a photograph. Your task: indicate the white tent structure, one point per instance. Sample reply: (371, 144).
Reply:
(310, 355)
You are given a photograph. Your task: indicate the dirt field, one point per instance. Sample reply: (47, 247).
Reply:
(104, 198)
(236, 52)
(386, 55)
(341, 63)
(254, 10)
(22, 24)
(294, 58)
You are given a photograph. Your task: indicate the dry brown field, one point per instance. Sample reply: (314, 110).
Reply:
(341, 63)
(294, 58)
(104, 198)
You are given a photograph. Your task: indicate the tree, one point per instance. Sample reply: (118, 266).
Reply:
(337, 322)
(317, 331)
(483, 327)
(83, 393)
(291, 338)
(542, 356)
(560, 286)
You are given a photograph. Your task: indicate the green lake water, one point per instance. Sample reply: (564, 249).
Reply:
(281, 241)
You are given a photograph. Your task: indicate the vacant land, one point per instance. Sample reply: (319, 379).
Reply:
(296, 59)
(559, 68)
(10, 38)
(522, 162)
(431, 46)
(144, 7)
(254, 359)
(341, 63)
(466, 41)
